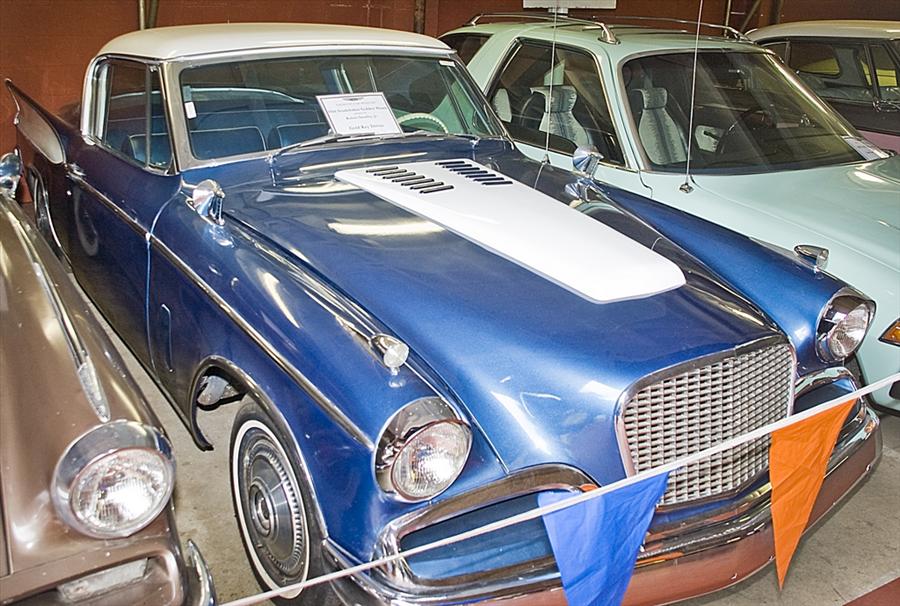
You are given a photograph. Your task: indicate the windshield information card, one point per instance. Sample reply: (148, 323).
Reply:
(359, 114)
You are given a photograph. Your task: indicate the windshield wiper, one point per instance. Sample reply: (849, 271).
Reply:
(336, 138)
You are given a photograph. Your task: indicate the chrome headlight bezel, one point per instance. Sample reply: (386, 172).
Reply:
(94, 447)
(841, 304)
(407, 424)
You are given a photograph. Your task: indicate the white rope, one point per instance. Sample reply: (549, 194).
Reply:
(686, 186)
(574, 500)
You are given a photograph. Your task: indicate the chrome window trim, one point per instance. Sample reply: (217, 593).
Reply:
(267, 347)
(634, 388)
(91, 111)
(173, 67)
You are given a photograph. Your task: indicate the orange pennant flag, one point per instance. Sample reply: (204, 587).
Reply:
(797, 462)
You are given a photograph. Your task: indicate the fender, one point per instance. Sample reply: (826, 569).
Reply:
(793, 294)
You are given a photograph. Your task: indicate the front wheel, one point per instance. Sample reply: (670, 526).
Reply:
(274, 507)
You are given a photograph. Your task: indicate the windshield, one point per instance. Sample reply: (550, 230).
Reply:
(251, 106)
(751, 115)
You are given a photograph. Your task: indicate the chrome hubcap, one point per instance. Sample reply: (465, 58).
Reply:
(272, 507)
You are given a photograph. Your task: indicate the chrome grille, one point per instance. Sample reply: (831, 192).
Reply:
(694, 409)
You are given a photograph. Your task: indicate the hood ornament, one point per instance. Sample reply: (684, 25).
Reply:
(393, 351)
(816, 254)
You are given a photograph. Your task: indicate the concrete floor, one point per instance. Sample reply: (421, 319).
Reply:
(855, 549)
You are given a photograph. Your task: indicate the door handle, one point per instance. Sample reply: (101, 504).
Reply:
(76, 172)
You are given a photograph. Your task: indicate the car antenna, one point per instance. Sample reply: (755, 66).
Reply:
(686, 187)
(548, 102)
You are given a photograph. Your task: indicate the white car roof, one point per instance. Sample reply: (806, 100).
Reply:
(825, 29)
(189, 40)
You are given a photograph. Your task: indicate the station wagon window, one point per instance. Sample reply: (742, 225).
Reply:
(838, 72)
(886, 73)
(573, 111)
(133, 109)
(779, 48)
(251, 106)
(465, 45)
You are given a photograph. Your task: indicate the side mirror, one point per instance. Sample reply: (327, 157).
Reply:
(207, 200)
(585, 160)
(10, 173)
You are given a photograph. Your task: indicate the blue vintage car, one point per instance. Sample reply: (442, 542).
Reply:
(426, 328)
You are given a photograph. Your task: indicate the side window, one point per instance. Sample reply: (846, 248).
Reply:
(465, 45)
(838, 72)
(134, 124)
(566, 101)
(779, 48)
(886, 73)
(815, 58)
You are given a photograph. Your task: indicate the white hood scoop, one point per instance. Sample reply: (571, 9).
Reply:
(524, 226)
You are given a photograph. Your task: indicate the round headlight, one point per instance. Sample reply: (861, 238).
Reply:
(114, 480)
(843, 326)
(422, 450)
(431, 460)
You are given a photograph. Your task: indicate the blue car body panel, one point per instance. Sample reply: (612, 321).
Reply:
(537, 370)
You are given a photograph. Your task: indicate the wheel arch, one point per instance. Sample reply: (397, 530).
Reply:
(246, 385)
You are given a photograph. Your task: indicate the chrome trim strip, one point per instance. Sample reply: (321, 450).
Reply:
(815, 380)
(171, 71)
(85, 370)
(731, 524)
(530, 480)
(76, 176)
(298, 377)
(203, 589)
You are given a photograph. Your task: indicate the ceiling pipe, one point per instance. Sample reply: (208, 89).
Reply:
(419, 17)
(750, 15)
(154, 9)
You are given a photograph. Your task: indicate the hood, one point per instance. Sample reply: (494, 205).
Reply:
(856, 206)
(538, 367)
(510, 219)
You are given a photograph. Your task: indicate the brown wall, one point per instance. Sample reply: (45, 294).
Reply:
(45, 45)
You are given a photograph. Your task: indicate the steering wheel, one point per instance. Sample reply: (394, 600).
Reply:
(755, 118)
(423, 116)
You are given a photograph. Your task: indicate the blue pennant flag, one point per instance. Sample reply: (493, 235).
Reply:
(596, 542)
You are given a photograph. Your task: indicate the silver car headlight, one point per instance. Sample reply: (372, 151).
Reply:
(422, 450)
(114, 480)
(843, 325)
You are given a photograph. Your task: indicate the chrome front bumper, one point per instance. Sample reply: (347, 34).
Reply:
(682, 560)
(201, 590)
